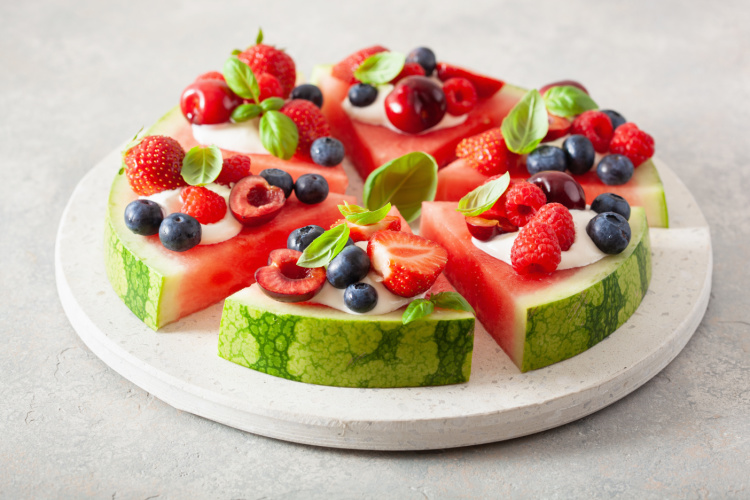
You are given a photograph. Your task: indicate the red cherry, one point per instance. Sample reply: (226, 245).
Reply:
(561, 83)
(558, 127)
(253, 201)
(560, 187)
(487, 226)
(282, 279)
(208, 102)
(415, 104)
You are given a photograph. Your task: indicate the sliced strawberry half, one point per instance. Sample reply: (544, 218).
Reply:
(282, 279)
(358, 232)
(409, 264)
(486, 86)
(344, 70)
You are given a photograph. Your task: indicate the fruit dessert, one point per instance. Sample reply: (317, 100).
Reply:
(561, 129)
(383, 104)
(548, 277)
(363, 304)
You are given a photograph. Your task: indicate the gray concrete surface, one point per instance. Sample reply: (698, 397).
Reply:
(78, 78)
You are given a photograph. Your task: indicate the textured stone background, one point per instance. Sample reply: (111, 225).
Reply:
(79, 78)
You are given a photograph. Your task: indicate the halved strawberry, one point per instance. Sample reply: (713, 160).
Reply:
(409, 264)
(486, 86)
(358, 232)
(344, 70)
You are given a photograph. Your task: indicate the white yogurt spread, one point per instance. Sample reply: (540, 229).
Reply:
(582, 253)
(243, 137)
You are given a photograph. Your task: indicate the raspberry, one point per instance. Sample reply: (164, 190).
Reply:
(558, 217)
(203, 204)
(632, 142)
(211, 75)
(269, 85)
(266, 59)
(535, 250)
(596, 126)
(522, 201)
(154, 165)
(460, 95)
(311, 124)
(233, 169)
(410, 69)
(487, 152)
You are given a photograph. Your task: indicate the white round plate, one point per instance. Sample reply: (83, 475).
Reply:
(180, 365)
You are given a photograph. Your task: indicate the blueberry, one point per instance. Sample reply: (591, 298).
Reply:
(424, 57)
(279, 178)
(616, 118)
(349, 266)
(143, 217)
(614, 170)
(327, 151)
(362, 94)
(546, 158)
(299, 239)
(610, 232)
(580, 153)
(610, 202)
(311, 188)
(308, 92)
(349, 243)
(360, 297)
(179, 232)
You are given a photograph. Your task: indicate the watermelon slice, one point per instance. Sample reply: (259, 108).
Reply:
(540, 320)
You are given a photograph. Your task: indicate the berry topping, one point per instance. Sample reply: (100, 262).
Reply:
(415, 104)
(266, 59)
(179, 232)
(460, 95)
(361, 297)
(522, 201)
(203, 204)
(559, 219)
(610, 232)
(614, 170)
(208, 102)
(425, 58)
(610, 202)
(311, 188)
(596, 126)
(253, 201)
(560, 187)
(327, 151)
(616, 118)
(143, 217)
(580, 153)
(348, 267)
(632, 142)
(535, 250)
(487, 152)
(308, 92)
(344, 70)
(233, 169)
(311, 124)
(299, 239)
(269, 86)
(282, 279)
(210, 75)
(362, 94)
(562, 83)
(488, 226)
(409, 69)
(154, 165)
(279, 178)
(558, 126)
(546, 157)
(409, 264)
(358, 232)
(484, 85)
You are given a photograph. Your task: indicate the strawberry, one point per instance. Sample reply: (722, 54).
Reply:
(484, 85)
(409, 264)
(487, 152)
(267, 59)
(630, 141)
(154, 165)
(269, 85)
(409, 69)
(558, 217)
(211, 75)
(344, 70)
(535, 249)
(311, 124)
(203, 204)
(359, 232)
(233, 169)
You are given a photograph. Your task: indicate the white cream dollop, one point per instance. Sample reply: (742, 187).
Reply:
(243, 137)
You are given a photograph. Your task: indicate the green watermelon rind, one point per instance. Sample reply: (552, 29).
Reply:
(323, 346)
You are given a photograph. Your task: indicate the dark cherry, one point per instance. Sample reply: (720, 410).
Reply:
(415, 104)
(282, 279)
(562, 83)
(558, 127)
(560, 187)
(208, 102)
(253, 201)
(487, 226)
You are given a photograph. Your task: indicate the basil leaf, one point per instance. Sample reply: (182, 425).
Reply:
(482, 198)
(417, 309)
(259, 38)
(347, 209)
(380, 68)
(451, 300)
(526, 124)
(272, 104)
(241, 79)
(406, 182)
(278, 134)
(201, 165)
(567, 101)
(236, 51)
(369, 217)
(245, 112)
(325, 247)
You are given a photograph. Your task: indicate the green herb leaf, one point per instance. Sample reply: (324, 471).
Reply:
(347, 209)
(241, 79)
(526, 124)
(245, 112)
(259, 38)
(369, 217)
(201, 165)
(568, 101)
(272, 104)
(417, 309)
(451, 300)
(482, 198)
(325, 247)
(380, 68)
(236, 51)
(278, 134)
(121, 171)
(406, 182)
